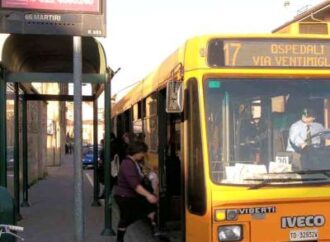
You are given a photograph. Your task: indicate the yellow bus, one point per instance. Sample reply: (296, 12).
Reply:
(217, 116)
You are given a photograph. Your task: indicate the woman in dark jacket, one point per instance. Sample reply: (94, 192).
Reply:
(134, 201)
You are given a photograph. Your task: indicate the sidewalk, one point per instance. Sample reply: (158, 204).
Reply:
(50, 216)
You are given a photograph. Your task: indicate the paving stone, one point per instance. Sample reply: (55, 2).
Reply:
(50, 217)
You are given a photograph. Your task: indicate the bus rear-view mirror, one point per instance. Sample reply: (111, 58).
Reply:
(174, 97)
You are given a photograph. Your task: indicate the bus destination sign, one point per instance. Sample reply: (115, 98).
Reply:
(275, 53)
(58, 5)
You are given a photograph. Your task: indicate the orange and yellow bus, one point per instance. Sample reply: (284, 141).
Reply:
(216, 115)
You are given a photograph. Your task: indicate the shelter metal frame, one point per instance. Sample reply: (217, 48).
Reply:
(101, 83)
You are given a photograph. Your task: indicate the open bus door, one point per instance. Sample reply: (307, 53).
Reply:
(170, 162)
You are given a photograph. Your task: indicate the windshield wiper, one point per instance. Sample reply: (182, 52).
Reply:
(264, 182)
(306, 172)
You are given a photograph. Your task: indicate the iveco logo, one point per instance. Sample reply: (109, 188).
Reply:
(302, 221)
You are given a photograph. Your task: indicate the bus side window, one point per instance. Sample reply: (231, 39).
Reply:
(196, 179)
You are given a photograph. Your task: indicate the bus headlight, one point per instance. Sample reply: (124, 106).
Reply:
(230, 233)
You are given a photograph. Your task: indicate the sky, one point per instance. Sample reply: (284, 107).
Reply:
(141, 34)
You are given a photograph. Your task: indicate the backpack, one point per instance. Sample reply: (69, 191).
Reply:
(115, 166)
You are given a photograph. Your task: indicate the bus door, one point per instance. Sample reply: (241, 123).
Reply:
(169, 125)
(173, 167)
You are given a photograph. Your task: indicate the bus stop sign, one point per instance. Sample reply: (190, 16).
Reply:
(54, 17)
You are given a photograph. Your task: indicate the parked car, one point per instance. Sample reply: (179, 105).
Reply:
(88, 158)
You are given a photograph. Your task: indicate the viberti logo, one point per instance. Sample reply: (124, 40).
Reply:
(302, 221)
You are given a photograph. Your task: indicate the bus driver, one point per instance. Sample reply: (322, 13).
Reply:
(300, 134)
(303, 140)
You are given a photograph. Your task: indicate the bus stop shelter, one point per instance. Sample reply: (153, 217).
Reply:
(49, 59)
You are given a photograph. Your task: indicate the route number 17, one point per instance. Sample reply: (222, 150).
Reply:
(231, 51)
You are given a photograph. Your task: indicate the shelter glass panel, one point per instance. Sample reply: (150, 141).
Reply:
(10, 117)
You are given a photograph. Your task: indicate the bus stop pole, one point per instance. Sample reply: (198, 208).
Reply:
(25, 202)
(78, 172)
(96, 202)
(3, 131)
(16, 153)
(108, 231)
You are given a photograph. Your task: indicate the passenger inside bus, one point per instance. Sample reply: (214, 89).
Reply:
(251, 133)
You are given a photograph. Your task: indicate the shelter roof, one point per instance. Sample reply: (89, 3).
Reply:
(51, 54)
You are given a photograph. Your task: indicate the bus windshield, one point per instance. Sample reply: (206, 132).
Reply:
(268, 131)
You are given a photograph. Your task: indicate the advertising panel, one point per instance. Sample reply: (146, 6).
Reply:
(55, 5)
(53, 17)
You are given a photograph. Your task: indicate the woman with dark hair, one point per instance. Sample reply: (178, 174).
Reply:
(134, 201)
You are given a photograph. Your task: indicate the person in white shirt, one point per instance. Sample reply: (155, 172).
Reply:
(301, 132)
(310, 152)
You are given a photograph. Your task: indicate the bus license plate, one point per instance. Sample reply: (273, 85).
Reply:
(304, 235)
